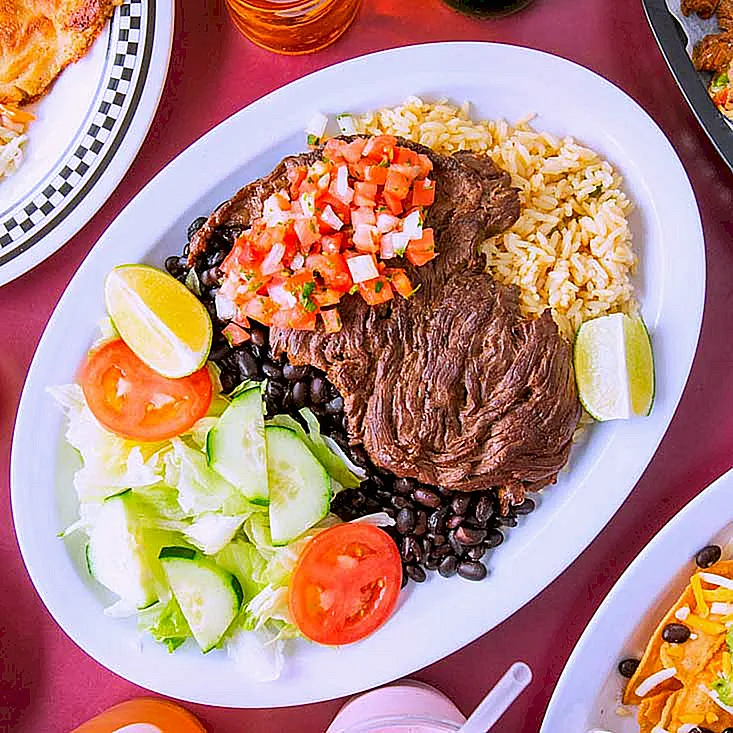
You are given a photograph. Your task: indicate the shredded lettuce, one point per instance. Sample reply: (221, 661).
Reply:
(165, 622)
(244, 561)
(258, 654)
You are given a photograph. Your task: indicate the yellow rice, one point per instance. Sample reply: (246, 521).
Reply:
(571, 249)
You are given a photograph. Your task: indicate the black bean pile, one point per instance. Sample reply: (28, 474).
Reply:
(435, 529)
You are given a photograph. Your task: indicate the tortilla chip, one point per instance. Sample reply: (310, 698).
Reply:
(651, 709)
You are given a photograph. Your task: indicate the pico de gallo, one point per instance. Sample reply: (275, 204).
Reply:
(721, 91)
(335, 231)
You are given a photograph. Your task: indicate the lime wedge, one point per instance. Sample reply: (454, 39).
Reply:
(614, 367)
(159, 319)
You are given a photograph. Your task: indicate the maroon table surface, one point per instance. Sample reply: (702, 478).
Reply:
(48, 685)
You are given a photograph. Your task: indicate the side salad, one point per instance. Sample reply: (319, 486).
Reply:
(206, 521)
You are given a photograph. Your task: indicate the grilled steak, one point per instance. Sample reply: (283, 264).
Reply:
(713, 52)
(452, 386)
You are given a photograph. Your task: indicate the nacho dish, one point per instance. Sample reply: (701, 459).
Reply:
(684, 681)
(357, 372)
(38, 40)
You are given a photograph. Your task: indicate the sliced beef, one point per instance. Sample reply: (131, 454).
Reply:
(714, 52)
(703, 8)
(725, 15)
(452, 387)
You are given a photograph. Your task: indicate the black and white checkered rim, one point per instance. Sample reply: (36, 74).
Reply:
(127, 61)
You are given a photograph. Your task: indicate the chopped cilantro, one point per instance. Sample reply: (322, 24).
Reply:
(305, 296)
(383, 164)
(354, 289)
(312, 139)
(378, 286)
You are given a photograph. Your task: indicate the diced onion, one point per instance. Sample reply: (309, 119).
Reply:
(342, 180)
(282, 296)
(386, 223)
(682, 613)
(362, 268)
(346, 124)
(308, 203)
(225, 308)
(412, 225)
(271, 264)
(721, 609)
(655, 679)
(330, 217)
(317, 125)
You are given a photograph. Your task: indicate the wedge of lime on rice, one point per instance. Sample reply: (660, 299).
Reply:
(614, 367)
(159, 319)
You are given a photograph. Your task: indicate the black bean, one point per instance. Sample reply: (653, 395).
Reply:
(439, 539)
(247, 364)
(421, 523)
(708, 556)
(493, 539)
(400, 502)
(700, 729)
(627, 667)
(469, 537)
(405, 520)
(427, 545)
(448, 566)
(416, 573)
(258, 335)
(455, 521)
(418, 552)
(272, 371)
(228, 380)
(403, 485)
(379, 481)
(175, 266)
(409, 548)
(318, 390)
(214, 259)
(335, 405)
(426, 497)
(508, 521)
(476, 553)
(484, 509)
(526, 507)
(294, 373)
(194, 226)
(404, 578)
(358, 452)
(727, 730)
(443, 549)
(472, 570)
(274, 391)
(676, 633)
(300, 394)
(436, 520)
(431, 562)
(445, 491)
(458, 548)
(460, 503)
(219, 351)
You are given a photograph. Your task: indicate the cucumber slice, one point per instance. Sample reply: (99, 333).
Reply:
(300, 487)
(235, 446)
(208, 595)
(115, 553)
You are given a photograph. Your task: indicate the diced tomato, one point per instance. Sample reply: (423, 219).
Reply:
(331, 243)
(411, 172)
(362, 216)
(380, 147)
(365, 194)
(298, 318)
(332, 269)
(425, 163)
(393, 202)
(342, 210)
(353, 151)
(307, 231)
(397, 185)
(400, 282)
(358, 170)
(296, 176)
(235, 334)
(323, 297)
(405, 156)
(423, 192)
(375, 174)
(260, 308)
(376, 291)
(331, 320)
(420, 251)
(334, 150)
(366, 238)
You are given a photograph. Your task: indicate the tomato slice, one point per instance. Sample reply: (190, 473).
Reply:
(166, 716)
(133, 401)
(346, 584)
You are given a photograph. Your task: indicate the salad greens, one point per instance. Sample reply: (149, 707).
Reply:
(167, 497)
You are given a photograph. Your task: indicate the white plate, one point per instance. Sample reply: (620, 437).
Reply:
(588, 693)
(87, 132)
(602, 473)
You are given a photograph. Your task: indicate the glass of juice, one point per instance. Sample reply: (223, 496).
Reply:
(293, 26)
(488, 8)
(405, 707)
